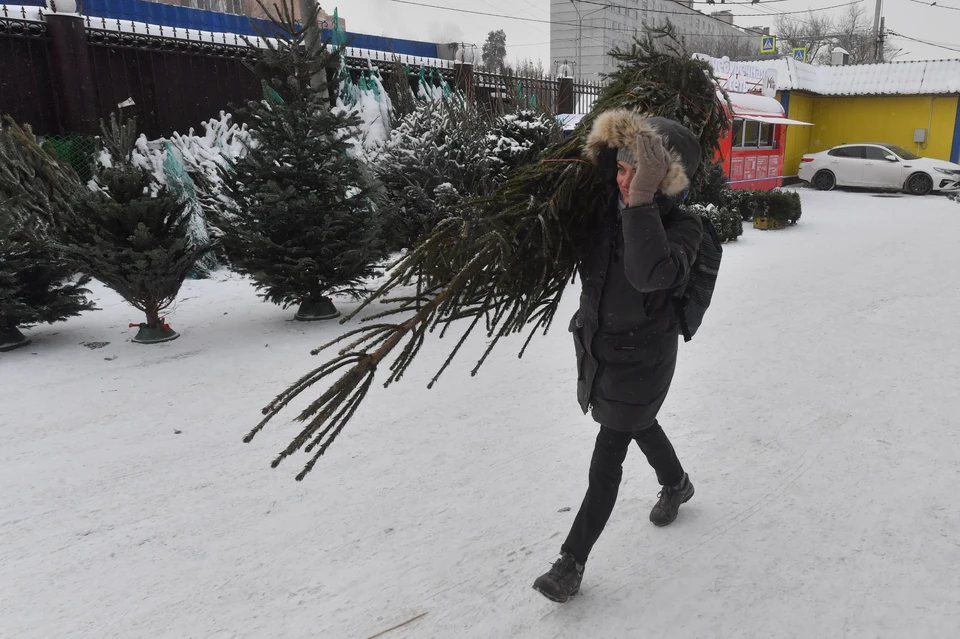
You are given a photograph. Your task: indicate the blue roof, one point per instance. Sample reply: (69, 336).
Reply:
(169, 15)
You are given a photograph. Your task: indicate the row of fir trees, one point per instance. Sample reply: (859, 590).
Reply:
(297, 211)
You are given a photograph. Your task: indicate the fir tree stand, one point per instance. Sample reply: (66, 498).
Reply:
(314, 310)
(157, 334)
(11, 339)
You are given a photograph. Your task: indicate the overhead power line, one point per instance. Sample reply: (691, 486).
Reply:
(936, 5)
(932, 44)
(748, 2)
(638, 30)
(605, 4)
(614, 5)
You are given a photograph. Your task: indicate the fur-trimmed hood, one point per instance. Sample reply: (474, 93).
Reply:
(620, 128)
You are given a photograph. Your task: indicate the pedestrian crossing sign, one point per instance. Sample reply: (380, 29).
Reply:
(768, 44)
(800, 54)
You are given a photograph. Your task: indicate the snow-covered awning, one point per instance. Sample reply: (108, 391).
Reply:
(745, 104)
(760, 108)
(773, 120)
(901, 77)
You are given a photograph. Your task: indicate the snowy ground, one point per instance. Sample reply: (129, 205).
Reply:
(816, 412)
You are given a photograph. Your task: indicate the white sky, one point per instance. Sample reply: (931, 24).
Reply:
(532, 39)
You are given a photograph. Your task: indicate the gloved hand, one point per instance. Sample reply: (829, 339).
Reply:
(653, 160)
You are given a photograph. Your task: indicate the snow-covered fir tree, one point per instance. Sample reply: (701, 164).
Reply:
(368, 101)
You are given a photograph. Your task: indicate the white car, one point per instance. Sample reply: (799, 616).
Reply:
(881, 166)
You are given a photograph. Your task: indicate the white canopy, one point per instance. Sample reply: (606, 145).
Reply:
(773, 120)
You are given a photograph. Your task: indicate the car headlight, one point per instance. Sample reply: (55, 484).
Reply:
(948, 171)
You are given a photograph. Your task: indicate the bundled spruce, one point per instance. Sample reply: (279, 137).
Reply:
(518, 138)
(508, 257)
(37, 285)
(448, 151)
(303, 227)
(726, 222)
(782, 206)
(435, 158)
(710, 186)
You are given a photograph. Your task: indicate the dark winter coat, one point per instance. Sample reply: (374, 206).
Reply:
(626, 331)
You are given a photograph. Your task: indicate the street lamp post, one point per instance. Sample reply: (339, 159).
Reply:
(580, 37)
(580, 22)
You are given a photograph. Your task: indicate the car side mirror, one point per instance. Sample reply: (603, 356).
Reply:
(892, 158)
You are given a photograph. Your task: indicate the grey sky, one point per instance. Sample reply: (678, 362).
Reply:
(531, 39)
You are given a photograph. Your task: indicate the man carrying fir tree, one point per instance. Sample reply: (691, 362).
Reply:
(506, 260)
(626, 331)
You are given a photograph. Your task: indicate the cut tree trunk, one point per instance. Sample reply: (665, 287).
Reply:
(153, 316)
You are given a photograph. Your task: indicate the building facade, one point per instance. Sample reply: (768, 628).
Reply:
(583, 33)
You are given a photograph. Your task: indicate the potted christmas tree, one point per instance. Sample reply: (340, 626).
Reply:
(302, 225)
(127, 231)
(131, 233)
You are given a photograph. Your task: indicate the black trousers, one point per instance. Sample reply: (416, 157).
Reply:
(606, 470)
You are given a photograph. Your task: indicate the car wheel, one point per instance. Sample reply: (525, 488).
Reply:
(824, 180)
(919, 184)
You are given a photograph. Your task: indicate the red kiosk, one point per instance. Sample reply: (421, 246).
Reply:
(752, 150)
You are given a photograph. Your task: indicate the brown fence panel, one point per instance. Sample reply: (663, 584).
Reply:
(175, 84)
(26, 86)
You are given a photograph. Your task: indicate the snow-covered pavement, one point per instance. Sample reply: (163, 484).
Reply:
(816, 411)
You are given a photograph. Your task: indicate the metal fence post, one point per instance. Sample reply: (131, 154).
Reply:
(463, 76)
(565, 96)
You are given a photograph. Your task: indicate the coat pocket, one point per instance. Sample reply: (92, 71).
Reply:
(631, 371)
(626, 349)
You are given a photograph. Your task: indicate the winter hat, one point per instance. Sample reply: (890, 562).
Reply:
(677, 138)
(681, 141)
(614, 135)
(625, 155)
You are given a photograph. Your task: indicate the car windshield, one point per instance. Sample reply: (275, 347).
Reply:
(902, 152)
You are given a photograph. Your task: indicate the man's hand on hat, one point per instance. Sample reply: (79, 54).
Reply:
(653, 161)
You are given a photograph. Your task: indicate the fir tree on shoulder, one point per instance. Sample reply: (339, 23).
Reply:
(37, 285)
(498, 264)
(131, 233)
(301, 223)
